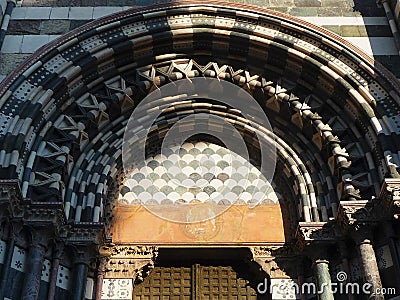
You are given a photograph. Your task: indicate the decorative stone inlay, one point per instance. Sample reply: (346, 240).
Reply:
(18, 261)
(282, 288)
(114, 289)
(197, 172)
(3, 247)
(63, 277)
(383, 257)
(356, 272)
(46, 269)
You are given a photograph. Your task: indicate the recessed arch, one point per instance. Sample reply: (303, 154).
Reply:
(56, 117)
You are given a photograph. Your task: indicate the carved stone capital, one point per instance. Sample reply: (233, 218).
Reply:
(276, 261)
(128, 261)
(355, 214)
(83, 253)
(39, 235)
(390, 197)
(311, 234)
(271, 251)
(10, 198)
(46, 213)
(82, 233)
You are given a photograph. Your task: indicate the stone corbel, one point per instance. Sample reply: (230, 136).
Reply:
(128, 261)
(390, 197)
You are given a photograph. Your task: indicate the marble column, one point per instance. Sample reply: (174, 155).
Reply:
(394, 253)
(100, 277)
(323, 278)
(363, 239)
(344, 254)
(6, 266)
(57, 254)
(80, 271)
(30, 289)
(300, 278)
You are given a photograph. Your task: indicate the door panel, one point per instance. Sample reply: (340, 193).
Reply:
(194, 283)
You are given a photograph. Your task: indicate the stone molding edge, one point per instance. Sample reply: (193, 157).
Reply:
(33, 59)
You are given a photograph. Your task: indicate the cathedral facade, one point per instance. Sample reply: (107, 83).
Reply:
(199, 149)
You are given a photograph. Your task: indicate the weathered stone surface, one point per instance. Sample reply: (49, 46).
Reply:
(76, 23)
(23, 27)
(8, 62)
(55, 26)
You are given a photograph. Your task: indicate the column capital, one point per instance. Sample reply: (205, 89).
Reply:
(128, 261)
(10, 199)
(310, 234)
(85, 233)
(356, 214)
(390, 197)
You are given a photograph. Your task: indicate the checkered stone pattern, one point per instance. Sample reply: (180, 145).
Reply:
(197, 172)
(68, 115)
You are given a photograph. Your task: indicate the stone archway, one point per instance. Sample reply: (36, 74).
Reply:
(334, 115)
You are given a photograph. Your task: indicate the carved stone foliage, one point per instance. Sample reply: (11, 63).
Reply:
(390, 197)
(10, 196)
(354, 214)
(314, 233)
(276, 261)
(128, 261)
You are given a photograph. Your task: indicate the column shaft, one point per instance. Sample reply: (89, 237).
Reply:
(323, 278)
(370, 268)
(30, 289)
(53, 279)
(6, 267)
(79, 283)
(99, 286)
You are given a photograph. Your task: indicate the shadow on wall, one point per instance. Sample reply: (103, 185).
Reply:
(380, 36)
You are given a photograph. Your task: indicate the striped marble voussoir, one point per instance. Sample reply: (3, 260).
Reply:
(336, 111)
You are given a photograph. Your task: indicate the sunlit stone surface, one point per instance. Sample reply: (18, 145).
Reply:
(197, 173)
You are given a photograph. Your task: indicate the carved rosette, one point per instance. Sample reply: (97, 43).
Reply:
(390, 197)
(128, 261)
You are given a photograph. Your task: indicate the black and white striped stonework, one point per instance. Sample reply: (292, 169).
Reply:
(363, 23)
(6, 8)
(64, 111)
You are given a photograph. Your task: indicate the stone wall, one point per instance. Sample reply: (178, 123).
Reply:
(37, 22)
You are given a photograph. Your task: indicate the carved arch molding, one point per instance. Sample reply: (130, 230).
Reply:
(335, 112)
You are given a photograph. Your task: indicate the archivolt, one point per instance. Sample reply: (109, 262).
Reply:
(64, 110)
